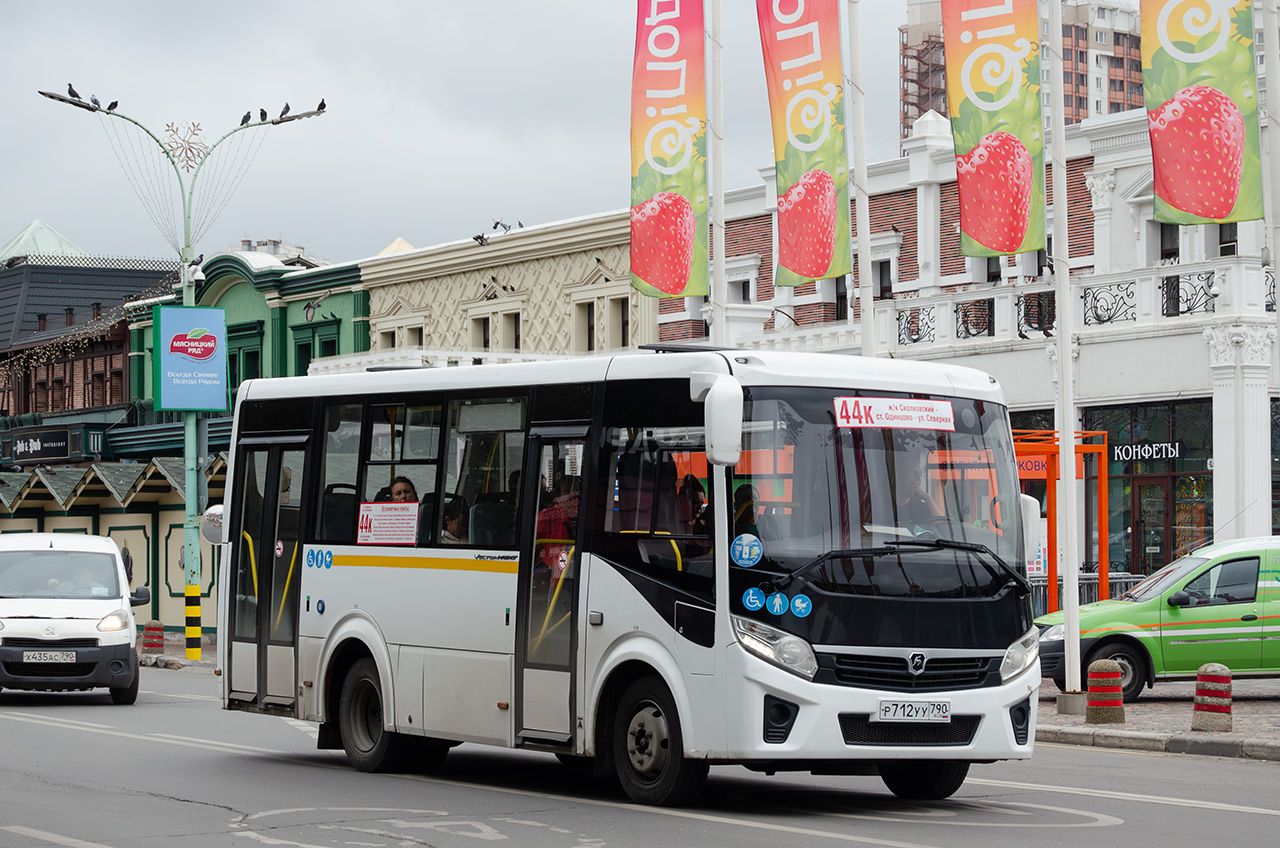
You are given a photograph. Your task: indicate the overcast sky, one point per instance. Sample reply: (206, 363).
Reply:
(442, 116)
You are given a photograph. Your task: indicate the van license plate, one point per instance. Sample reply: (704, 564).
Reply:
(937, 711)
(48, 656)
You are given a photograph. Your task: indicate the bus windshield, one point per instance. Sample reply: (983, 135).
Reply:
(907, 496)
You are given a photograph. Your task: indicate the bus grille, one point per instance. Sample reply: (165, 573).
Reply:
(940, 673)
(859, 729)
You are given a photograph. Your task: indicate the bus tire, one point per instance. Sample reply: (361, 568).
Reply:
(126, 695)
(648, 748)
(1133, 667)
(924, 780)
(369, 746)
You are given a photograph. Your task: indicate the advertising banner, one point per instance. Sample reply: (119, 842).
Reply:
(1202, 110)
(190, 358)
(804, 75)
(669, 150)
(993, 88)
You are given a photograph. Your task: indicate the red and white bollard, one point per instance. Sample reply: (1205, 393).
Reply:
(153, 638)
(1106, 696)
(1212, 710)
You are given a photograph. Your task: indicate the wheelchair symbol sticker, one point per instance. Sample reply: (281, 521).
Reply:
(753, 599)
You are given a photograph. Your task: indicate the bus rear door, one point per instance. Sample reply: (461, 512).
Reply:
(266, 561)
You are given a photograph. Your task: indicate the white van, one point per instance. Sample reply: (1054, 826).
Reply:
(65, 617)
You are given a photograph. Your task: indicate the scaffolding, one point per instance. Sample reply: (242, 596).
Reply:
(924, 77)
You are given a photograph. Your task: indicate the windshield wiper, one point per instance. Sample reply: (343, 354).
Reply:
(843, 553)
(1024, 586)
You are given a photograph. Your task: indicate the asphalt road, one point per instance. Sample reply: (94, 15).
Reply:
(174, 769)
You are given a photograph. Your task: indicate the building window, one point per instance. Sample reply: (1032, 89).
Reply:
(58, 395)
(994, 272)
(842, 298)
(1100, 37)
(620, 319)
(884, 279)
(511, 330)
(1227, 239)
(302, 358)
(41, 399)
(1168, 243)
(586, 320)
(480, 333)
(387, 339)
(97, 390)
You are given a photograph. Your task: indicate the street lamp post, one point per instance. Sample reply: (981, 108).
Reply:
(186, 152)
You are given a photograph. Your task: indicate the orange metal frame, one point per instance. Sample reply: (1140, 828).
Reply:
(1045, 443)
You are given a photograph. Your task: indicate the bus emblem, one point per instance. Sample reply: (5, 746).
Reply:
(916, 662)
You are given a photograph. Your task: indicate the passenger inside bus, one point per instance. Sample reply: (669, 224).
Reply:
(402, 490)
(745, 511)
(454, 533)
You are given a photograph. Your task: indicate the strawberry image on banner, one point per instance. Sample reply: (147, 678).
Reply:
(1202, 110)
(804, 74)
(669, 151)
(993, 86)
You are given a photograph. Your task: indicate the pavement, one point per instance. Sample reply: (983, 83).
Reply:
(1158, 721)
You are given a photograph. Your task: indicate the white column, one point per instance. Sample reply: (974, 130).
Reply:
(1102, 185)
(1240, 362)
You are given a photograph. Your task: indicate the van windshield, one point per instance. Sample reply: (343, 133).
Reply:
(58, 574)
(1163, 579)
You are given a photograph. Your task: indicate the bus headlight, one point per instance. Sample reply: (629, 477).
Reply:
(117, 620)
(776, 646)
(1021, 654)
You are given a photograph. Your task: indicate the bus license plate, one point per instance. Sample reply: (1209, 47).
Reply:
(48, 656)
(938, 711)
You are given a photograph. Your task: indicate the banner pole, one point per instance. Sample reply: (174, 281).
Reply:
(1065, 408)
(1271, 53)
(719, 332)
(856, 98)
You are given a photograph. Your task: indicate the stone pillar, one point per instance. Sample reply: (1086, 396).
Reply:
(1102, 186)
(1240, 362)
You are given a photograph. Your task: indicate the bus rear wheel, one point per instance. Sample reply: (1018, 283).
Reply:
(369, 746)
(648, 748)
(923, 780)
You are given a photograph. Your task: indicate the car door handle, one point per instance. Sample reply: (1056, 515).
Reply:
(1248, 618)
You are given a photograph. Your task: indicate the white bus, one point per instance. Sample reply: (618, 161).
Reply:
(654, 562)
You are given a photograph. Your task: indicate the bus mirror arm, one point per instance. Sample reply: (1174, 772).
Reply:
(722, 396)
(1030, 508)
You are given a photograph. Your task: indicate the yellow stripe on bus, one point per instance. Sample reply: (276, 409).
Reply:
(441, 563)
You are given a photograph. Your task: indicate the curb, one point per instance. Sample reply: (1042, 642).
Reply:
(165, 661)
(1207, 744)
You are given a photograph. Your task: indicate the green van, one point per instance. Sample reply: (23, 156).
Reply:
(1219, 604)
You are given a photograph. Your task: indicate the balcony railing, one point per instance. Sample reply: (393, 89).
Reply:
(1026, 309)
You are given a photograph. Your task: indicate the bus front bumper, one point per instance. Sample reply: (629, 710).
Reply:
(785, 718)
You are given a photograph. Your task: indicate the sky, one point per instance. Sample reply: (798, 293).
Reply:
(442, 116)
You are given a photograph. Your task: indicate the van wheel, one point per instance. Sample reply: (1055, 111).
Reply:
(1133, 668)
(924, 780)
(127, 694)
(648, 748)
(369, 747)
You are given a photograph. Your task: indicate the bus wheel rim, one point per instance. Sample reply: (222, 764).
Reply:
(648, 742)
(367, 715)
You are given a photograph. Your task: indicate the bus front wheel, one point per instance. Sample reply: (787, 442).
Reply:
(369, 746)
(648, 748)
(923, 780)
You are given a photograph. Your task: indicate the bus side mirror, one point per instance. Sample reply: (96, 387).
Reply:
(211, 525)
(1030, 508)
(722, 395)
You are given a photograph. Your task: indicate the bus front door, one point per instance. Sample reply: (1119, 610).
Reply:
(263, 611)
(550, 563)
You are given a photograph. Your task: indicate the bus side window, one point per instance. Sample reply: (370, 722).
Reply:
(484, 445)
(339, 462)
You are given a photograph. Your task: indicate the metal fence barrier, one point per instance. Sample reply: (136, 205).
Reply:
(1119, 583)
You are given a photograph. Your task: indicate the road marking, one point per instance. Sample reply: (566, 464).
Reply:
(69, 722)
(1098, 819)
(53, 838)
(1126, 796)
